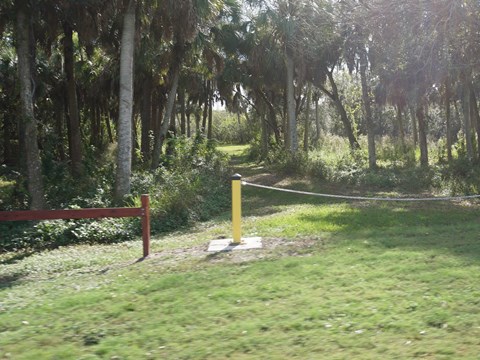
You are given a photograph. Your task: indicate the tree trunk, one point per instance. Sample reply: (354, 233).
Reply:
(306, 133)
(183, 117)
(136, 146)
(59, 126)
(160, 137)
(467, 119)
(271, 115)
(459, 122)
(239, 122)
(95, 133)
(414, 126)
(124, 133)
(448, 120)
(264, 145)
(467, 122)
(291, 136)
(401, 131)
(73, 113)
(198, 130)
(189, 119)
(317, 123)
(28, 121)
(372, 157)
(109, 128)
(422, 135)
(171, 135)
(146, 119)
(7, 144)
(210, 118)
(102, 129)
(205, 108)
(189, 124)
(474, 116)
(334, 96)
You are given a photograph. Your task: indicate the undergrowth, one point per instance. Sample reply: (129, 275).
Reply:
(190, 185)
(397, 170)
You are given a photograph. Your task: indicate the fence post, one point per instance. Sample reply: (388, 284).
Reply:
(146, 225)
(237, 208)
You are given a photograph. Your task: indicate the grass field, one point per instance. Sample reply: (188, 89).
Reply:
(334, 281)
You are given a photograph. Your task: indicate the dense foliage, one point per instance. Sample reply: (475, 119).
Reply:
(191, 185)
(398, 81)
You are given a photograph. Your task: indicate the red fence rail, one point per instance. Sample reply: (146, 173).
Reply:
(143, 212)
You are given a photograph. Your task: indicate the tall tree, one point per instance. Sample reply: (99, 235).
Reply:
(26, 62)
(75, 137)
(124, 152)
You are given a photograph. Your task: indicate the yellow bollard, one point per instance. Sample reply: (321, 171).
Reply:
(237, 208)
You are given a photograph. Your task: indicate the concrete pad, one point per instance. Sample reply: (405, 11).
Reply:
(228, 245)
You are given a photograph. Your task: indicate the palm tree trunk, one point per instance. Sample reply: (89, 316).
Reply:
(334, 96)
(72, 103)
(205, 108)
(146, 119)
(400, 127)
(7, 144)
(160, 137)
(171, 135)
(59, 126)
(28, 121)
(414, 126)
(448, 120)
(197, 121)
(291, 136)
(109, 127)
(317, 122)
(264, 145)
(474, 116)
(306, 133)
(467, 121)
(372, 157)
(189, 124)
(124, 133)
(210, 118)
(183, 117)
(271, 115)
(422, 135)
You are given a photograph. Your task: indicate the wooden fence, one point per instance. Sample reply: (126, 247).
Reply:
(143, 212)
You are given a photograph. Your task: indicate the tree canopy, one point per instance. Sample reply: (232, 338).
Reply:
(78, 77)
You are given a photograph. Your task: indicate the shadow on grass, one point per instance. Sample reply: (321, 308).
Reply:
(10, 280)
(16, 257)
(451, 226)
(263, 202)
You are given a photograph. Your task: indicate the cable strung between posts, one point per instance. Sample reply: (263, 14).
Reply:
(347, 197)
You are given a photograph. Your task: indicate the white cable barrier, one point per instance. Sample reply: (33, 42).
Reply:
(365, 198)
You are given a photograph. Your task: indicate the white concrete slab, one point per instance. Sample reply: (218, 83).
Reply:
(228, 245)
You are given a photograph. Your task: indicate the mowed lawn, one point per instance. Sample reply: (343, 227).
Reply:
(335, 281)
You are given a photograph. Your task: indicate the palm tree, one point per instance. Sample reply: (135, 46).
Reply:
(182, 22)
(354, 17)
(124, 153)
(28, 121)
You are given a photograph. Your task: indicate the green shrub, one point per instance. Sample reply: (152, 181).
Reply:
(230, 128)
(191, 185)
(335, 162)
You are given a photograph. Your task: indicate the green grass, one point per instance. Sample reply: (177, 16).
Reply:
(343, 281)
(233, 150)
